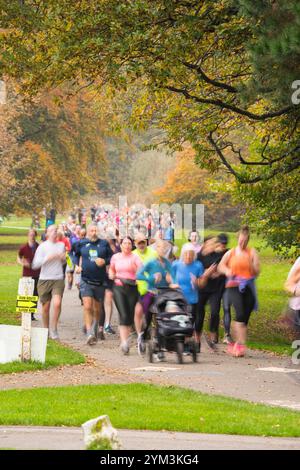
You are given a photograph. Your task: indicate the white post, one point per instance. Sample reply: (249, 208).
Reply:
(26, 287)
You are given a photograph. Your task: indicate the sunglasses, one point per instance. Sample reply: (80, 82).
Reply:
(143, 242)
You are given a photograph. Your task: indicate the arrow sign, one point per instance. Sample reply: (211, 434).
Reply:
(26, 303)
(23, 303)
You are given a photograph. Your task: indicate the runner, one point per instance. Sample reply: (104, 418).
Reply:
(92, 257)
(77, 276)
(212, 292)
(146, 254)
(189, 275)
(25, 257)
(74, 239)
(292, 286)
(222, 242)
(122, 271)
(108, 298)
(50, 256)
(241, 266)
(193, 238)
(157, 273)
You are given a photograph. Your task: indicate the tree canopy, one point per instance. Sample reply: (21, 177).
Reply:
(202, 71)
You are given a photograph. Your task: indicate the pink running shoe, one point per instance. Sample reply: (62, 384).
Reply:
(239, 350)
(236, 349)
(230, 349)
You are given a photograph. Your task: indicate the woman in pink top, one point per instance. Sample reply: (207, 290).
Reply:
(123, 269)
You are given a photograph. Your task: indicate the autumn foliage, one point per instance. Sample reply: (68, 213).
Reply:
(189, 184)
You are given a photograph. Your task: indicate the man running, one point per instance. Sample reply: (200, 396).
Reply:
(92, 257)
(50, 256)
(25, 257)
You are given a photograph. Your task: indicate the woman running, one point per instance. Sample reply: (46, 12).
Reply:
(241, 266)
(189, 275)
(158, 275)
(122, 270)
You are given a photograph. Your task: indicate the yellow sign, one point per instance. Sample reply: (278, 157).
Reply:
(27, 303)
(28, 297)
(26, 310)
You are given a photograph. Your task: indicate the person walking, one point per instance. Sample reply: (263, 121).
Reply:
(50, 256)
(241, 267)
(122, 270)
(25, 258)
(92, 257)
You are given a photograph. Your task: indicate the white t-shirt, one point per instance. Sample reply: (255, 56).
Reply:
(50, 270)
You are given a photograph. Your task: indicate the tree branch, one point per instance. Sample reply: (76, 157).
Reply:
(211, 81)
(235, 109)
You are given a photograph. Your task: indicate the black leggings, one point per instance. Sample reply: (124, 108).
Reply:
(214, 299)
(227, 313)
(243, 303)
(125, 298)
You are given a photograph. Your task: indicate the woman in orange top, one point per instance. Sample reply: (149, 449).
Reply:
(241, 267)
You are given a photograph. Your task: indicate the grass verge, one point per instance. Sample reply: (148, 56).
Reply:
(172, 409)
(56, 355)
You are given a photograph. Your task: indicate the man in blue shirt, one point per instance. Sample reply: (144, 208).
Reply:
(92, 257)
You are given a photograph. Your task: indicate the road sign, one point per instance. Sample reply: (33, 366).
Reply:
(25, 310)
(27, 303)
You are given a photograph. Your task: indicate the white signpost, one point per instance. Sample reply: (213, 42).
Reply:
(26, 288)
(23, 343)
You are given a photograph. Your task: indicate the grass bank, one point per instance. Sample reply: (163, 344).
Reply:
(171, 408)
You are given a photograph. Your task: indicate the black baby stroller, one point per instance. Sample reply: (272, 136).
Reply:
(172, 326)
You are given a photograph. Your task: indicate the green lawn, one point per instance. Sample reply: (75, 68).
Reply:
(57, 355)
(172, 409)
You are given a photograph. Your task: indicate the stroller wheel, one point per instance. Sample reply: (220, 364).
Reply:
(150, 352)
(179, 350)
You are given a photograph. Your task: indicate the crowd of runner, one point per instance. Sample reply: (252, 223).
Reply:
(130, 271)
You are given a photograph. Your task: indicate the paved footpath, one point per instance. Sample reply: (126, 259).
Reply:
(50, 438)
(259, 377)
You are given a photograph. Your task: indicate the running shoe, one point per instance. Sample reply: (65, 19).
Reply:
(236, 349)
(91, 340)
(54, 335)
(211, 344)
(159, 356)
(227, 339)
(108, 329)
(101, 335)
(186, 350)
(141, 345)
(125, 348)
(239, 350)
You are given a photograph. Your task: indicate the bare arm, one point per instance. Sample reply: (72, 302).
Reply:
(223, 267)
(292, 282)
(255, 263)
